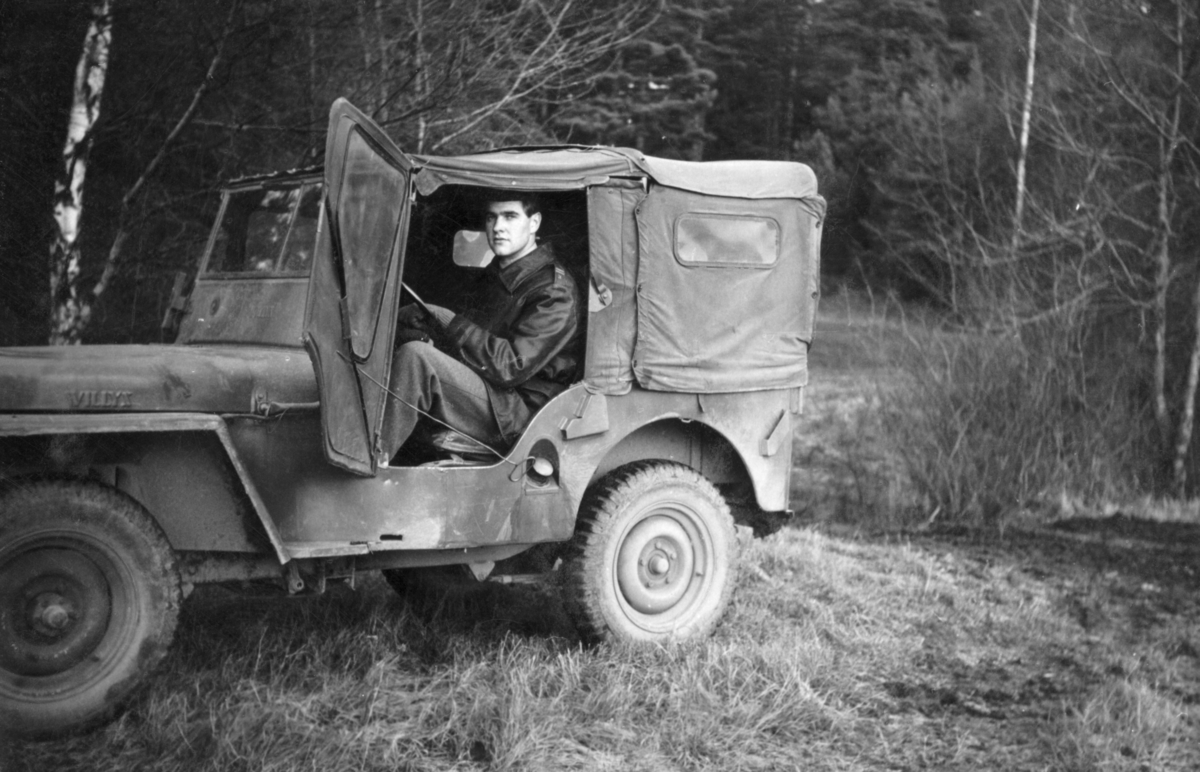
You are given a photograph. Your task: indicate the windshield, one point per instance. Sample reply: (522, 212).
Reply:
(269, 230)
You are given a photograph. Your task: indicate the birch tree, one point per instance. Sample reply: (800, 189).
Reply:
(71, 305)
(1026, 114)
(67, 308)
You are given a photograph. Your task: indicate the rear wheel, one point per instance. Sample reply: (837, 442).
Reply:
(89, 599)
(654, 557)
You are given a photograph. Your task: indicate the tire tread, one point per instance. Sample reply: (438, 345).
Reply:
(111, 510)
(600, 508)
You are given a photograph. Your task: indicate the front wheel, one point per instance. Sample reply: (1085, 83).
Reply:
(654, 557)
(89, 599)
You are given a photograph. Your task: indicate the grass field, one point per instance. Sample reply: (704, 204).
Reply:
(850, 646)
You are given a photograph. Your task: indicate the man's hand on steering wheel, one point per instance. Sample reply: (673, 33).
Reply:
(414, 322)
(412, 316)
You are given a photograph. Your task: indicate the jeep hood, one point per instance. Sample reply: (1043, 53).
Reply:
(140, 378)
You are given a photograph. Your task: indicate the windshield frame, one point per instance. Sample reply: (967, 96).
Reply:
(227, 196)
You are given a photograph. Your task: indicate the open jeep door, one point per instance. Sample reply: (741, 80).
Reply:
(350, 319)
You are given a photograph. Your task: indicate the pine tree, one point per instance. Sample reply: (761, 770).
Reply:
(656, 94)
(761, 59)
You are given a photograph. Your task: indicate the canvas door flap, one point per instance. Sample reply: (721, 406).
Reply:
(612, 306)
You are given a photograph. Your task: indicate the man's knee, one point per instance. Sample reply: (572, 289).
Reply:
(416, 358)
(417, 350)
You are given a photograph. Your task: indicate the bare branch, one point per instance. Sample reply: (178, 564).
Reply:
(115, 250)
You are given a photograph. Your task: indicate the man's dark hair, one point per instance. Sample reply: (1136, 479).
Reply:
(530, 202)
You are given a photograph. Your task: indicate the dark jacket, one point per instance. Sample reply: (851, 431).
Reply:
(522, 335)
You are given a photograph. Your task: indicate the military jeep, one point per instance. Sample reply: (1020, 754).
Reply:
(248, 450)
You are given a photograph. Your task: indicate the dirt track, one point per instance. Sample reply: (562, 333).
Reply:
(1130, 589)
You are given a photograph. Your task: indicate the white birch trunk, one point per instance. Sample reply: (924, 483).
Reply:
(1026, 111)
(1162, 286)
(385, 78)
(68, 314)
(1183, 438)
(364, 39)
(1187, 419)
(419, 64)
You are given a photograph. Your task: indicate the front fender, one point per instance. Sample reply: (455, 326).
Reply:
(183, 467)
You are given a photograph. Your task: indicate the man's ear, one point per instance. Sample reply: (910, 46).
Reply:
(535, 222)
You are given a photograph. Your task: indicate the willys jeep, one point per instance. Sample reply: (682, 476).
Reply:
(248, 450)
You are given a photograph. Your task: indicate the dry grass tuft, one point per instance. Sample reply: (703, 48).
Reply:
(1121, 725)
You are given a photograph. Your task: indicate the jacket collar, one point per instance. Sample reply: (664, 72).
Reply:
(512, 276)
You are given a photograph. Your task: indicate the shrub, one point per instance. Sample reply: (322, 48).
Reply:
(988, 425)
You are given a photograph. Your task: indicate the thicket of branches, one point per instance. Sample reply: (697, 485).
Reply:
(191, 94)
(1088, 305)
(910, 110)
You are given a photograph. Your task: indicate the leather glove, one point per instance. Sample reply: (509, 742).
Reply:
(412, 317)
(410, 334)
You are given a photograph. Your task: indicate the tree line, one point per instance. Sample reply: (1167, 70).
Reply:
(918, 116)
(195, 93)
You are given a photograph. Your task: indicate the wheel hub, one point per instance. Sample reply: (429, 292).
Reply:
(655, 565)
(54, 611)
(50, 613)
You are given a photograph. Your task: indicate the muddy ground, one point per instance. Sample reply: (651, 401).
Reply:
(1128, 591)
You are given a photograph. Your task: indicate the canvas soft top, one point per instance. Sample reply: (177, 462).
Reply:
(573, 167)
(674, 324)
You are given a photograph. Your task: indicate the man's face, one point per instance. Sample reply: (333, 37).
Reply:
(509, 230)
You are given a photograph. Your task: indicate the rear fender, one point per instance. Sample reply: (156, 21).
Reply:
(182, 467)
(690, 443)
(742, 439)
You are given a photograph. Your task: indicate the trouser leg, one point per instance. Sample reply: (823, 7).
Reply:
(425, 380)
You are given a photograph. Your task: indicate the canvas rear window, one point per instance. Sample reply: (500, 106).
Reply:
(734, 241)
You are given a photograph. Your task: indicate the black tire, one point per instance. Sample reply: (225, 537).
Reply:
(89, 599)
(653, 558)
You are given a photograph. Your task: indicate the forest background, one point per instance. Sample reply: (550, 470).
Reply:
(1040, 211)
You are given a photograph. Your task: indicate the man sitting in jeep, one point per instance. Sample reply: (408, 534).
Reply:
(514, 346)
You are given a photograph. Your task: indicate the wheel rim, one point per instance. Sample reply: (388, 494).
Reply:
(663, 568)
(655, 564)
(54, 610)
(66, 617)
